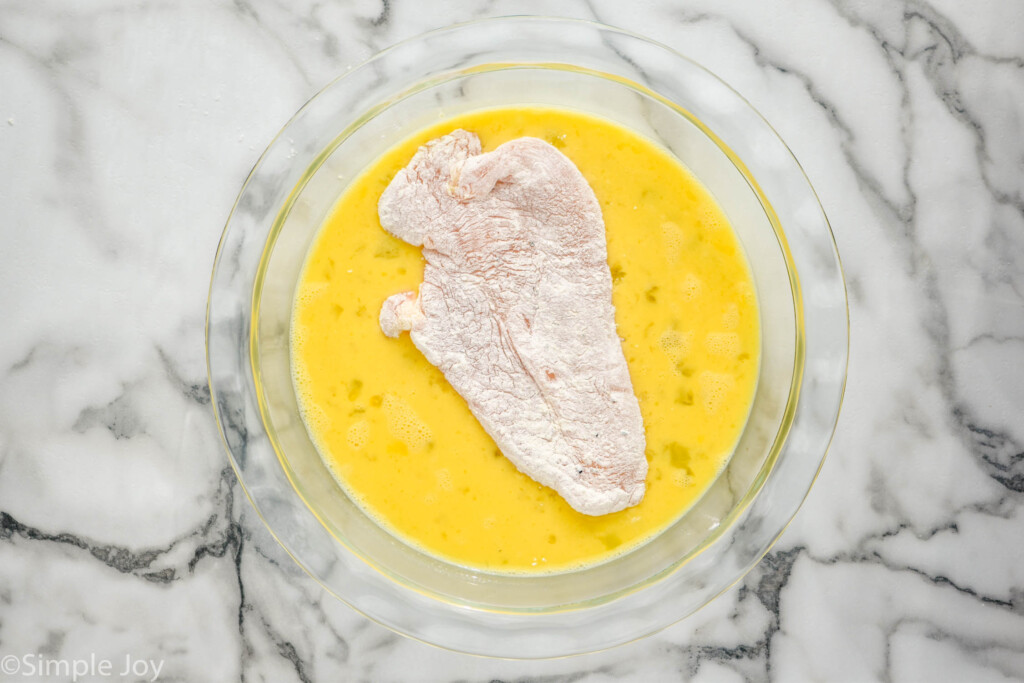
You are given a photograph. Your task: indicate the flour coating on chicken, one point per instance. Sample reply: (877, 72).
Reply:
(516, 310)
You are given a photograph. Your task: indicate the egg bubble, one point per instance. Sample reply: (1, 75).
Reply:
(444, 479)
(358, 434)
(725, 344)
(676, 344)
(673, 239)
(404, 424)
(690, 288)
(714, 388)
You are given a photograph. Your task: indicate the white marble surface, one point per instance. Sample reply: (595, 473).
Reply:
(126, 129)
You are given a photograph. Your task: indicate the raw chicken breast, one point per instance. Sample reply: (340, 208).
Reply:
(515, 309)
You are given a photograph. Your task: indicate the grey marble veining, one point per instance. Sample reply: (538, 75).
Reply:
(126, 129)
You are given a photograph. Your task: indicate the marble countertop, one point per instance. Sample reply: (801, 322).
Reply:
(126, 130)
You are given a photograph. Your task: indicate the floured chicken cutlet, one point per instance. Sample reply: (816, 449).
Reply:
(515, 309)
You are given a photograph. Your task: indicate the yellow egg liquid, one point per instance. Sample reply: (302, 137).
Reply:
(403, 443)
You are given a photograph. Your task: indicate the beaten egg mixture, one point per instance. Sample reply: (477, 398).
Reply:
(403, 443)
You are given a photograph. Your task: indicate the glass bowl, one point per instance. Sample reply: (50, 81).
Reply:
(619, 76)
